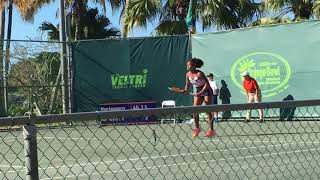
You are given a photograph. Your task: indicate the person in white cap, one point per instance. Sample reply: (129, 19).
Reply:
(253, 93)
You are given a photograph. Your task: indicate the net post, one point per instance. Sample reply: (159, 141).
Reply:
(30, 150)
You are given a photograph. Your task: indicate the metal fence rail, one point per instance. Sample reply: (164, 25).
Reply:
(74, 146)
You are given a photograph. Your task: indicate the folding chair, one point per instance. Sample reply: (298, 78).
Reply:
(168, 103)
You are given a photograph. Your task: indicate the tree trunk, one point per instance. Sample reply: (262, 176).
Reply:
(78, 14)
(54, 91)
(37, 109)
(62, 37)
(2, 27)
(7, 60)
(124, 30)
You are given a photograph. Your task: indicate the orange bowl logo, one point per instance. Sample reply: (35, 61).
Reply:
(271, 71)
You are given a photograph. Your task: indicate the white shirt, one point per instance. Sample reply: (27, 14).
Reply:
(214, 87)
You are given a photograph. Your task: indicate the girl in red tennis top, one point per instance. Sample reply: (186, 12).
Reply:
(203, 94)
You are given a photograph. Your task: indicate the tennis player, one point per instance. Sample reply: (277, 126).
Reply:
(202, 95)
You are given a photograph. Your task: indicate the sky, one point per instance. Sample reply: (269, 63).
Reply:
(22, 30)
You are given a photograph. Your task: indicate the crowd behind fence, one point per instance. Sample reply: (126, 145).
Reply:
(76, 146)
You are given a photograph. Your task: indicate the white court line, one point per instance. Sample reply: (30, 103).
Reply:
(151, 139)
(17, 167)
(8, 141)
(49, 137)
(156, 157)
(194, 162)
(86, 139)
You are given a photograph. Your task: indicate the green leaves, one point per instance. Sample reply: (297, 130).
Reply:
(228, 14)
(302, 9)
(53, 32)
(139, 12)
(93, 26)
(170, 28)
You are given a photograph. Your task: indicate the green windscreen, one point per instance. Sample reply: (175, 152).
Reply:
(284, 59)
(128, 70)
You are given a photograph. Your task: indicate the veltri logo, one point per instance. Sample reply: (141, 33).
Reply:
(119, 81)
(271, 71)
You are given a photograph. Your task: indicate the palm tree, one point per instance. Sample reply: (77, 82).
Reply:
(268, 21)
(302, 9)
(7, 57)
(172, 18)
(2, 30)
(224, 14)
(171, 13)
(138, 13)
(93, 26)
(97, 26)
(171, 27)
(27, 9)
(52, 30)
(228, 14)
(78, 7)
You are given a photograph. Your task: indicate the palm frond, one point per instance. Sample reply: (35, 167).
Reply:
(28, 8)
(316, 8)
(139, 12)
(227, 14)
(302, 9)
(170, 28)
(116, 4)
(103, 4)
(53, 31)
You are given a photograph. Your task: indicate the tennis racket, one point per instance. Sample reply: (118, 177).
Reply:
(174, 89)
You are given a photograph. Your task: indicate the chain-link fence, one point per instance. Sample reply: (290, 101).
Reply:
(101, 145)
(31, 77)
